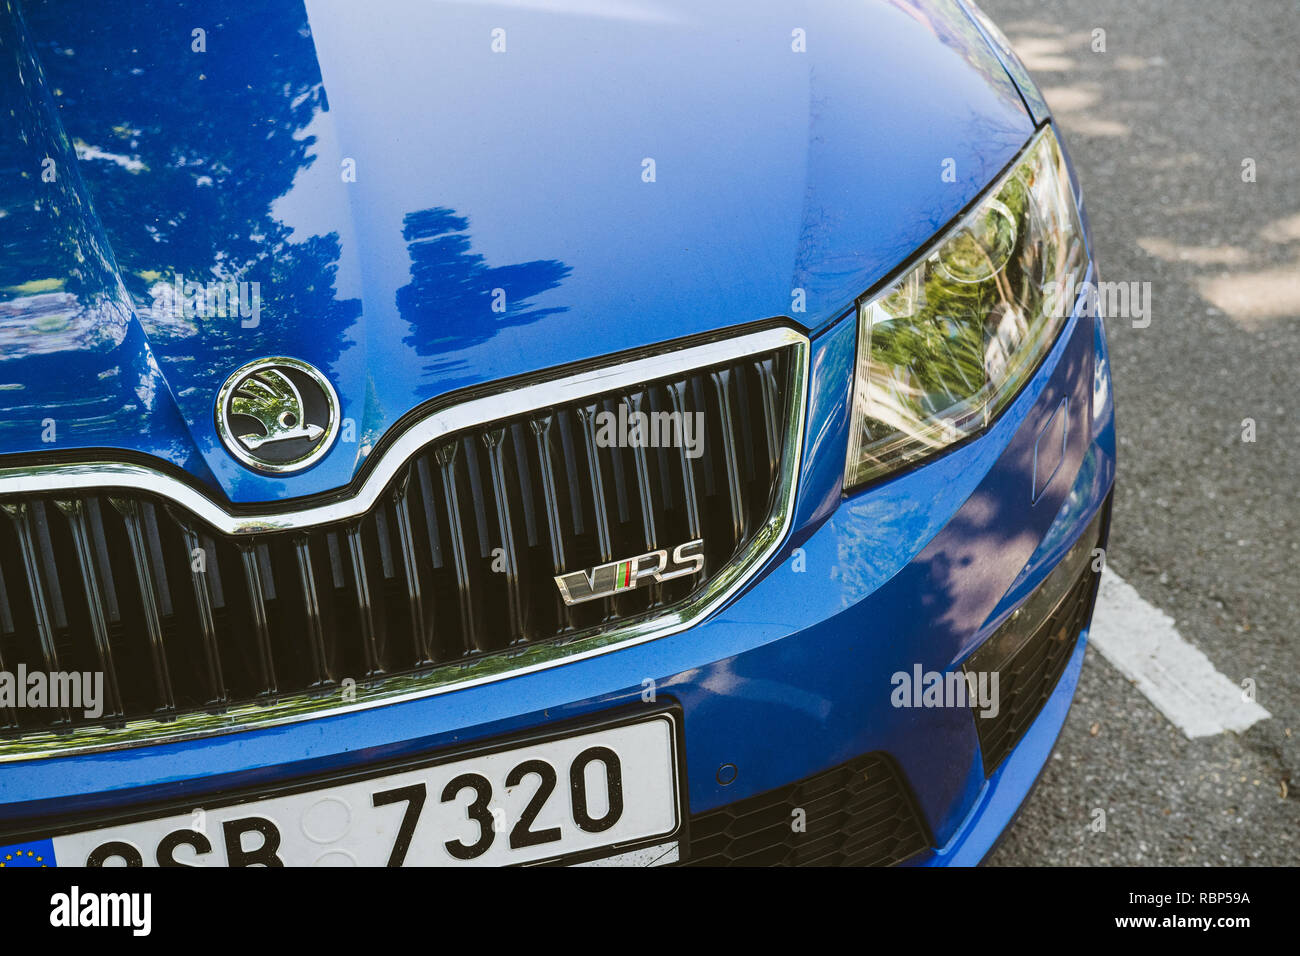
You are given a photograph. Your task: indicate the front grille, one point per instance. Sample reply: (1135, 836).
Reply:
(860, 813)
(1029, 674)
(454, 564)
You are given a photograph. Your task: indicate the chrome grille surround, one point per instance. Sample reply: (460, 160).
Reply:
(416, 436)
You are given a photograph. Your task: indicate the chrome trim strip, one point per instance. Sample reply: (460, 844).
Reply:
(393, 690)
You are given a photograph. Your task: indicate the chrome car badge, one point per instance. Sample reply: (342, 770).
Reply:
(277, 415)
(605, 580)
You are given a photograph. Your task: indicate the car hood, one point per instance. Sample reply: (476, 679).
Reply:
(434, 195)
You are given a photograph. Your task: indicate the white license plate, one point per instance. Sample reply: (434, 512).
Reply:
(605, 789)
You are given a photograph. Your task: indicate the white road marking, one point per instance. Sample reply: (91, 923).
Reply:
(1140, 640)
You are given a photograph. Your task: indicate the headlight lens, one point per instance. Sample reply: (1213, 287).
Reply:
(944, 349)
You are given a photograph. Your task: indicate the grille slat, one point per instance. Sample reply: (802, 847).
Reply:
(494, 441)
(74, 510)
(257, 613)
(151, 619)
(599, 499)
(8, 715)
(677, 391)
(527, 488)
(153, 544)
(646, 496)
(20, 515)
(645, 493)
(600, 510)
(205, 621)
(470, 456)
(108, 581)
(446, 456)
(768, 392)
(420, 635)
(430, 511)
(655, 405)
(550, 492)
(541, 428)
(313, 635)
(567, 442)
(744, 436)
(6, 615)
(365, 608)
(456, 559)
(735, 497)
(39, 529)
(618, 471)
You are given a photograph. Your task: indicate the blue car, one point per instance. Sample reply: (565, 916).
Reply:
(605, 433)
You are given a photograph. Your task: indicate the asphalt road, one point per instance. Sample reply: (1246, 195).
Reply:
(1206, 526)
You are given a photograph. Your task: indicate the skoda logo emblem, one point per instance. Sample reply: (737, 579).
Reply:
(278, 415)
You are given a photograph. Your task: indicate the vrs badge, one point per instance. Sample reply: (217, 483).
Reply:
(277, 415)
(608, 579)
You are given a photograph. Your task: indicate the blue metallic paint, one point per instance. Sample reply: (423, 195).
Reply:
(775, 171)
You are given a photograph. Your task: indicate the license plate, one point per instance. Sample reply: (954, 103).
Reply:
(587, 795)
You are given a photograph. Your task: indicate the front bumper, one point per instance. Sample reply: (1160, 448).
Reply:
(792, 677)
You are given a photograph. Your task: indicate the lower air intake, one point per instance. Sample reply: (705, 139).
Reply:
(857, 814)
(1030, 651)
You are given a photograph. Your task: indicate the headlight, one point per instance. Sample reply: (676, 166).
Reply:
(944, 349)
